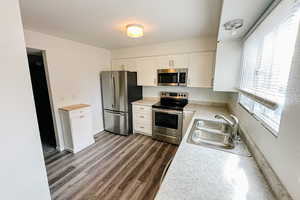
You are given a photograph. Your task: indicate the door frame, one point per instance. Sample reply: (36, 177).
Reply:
(55, 125)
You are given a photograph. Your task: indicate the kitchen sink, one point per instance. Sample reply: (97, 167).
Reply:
(213, 126)
(212, 138)
(216, 135)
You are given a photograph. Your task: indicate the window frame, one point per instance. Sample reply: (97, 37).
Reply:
(261, 121)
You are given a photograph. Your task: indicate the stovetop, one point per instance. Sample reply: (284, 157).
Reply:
(172, 100)
(169, 106)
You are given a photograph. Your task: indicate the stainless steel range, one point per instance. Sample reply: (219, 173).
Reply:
(167, 117)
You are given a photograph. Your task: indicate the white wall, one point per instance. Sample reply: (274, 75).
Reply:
(197, 94)
(73, 72)
(282, 152)
(175, 47)
(22, 169)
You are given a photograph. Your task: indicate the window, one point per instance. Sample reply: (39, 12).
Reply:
(267, 58)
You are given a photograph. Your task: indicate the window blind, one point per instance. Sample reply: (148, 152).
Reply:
(267, 57)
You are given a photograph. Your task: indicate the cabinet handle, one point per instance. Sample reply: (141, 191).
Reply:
(141, 116)
(142, 127)
(81, 116)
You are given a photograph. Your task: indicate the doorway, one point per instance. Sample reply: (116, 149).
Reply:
(42, 100)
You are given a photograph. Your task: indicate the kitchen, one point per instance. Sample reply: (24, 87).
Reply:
(198, 103)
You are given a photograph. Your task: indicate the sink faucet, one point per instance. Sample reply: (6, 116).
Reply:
(234, 123)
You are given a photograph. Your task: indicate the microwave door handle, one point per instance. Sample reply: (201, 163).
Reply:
(178, 78)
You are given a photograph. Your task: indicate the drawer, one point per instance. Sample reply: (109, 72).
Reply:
(82, 111)
(143, 116)
(138, 108)
(144, 128)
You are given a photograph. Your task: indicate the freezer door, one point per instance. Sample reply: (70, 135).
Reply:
(107, 89)
(116, 122)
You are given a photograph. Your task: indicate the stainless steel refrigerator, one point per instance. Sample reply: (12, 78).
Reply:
(119, 89)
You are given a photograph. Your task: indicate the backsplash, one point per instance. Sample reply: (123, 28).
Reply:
(197, 94)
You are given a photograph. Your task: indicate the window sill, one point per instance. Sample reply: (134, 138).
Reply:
(261, 122)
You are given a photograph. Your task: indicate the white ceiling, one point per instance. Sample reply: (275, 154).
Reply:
(101, 22)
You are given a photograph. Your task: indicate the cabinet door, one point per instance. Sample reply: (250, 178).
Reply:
(163, 62)
(172, 61)
(146, 71)
(201, 69)
(228, 61)
(81, 128)
(130, 65)
(117, 65)
(179, 61)
(124, 64)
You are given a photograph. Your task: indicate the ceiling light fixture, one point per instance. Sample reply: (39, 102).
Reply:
(233, 25)
(135, 30)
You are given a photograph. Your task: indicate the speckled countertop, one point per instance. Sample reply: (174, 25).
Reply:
(147, 101)
(200, 173)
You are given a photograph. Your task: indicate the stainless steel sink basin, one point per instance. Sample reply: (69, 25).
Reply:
(213, 126)
(214, 134)
(212, 138)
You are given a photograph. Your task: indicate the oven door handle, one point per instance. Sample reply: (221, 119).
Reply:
(167, 111)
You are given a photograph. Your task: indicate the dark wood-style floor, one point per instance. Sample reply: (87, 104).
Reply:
(115, 167)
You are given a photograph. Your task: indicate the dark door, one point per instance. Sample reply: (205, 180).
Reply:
(41, 99)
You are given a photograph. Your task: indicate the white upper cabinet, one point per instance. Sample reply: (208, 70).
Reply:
(124, 64)
(228, 62)
(201, 68)
(172, 61)
(163, 62)
(147, 71)
(179, 61)
(117, 65)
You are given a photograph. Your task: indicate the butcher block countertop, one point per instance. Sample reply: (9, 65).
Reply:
(74, 107)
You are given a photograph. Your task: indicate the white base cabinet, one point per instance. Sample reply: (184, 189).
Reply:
(77, 127)
(142, 119)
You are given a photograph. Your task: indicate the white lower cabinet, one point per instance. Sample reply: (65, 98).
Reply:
(142, 119)
(77, 127)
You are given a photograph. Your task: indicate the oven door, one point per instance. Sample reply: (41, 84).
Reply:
(167, 125)
(167, 77)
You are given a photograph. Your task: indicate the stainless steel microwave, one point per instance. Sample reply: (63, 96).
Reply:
(172, 77)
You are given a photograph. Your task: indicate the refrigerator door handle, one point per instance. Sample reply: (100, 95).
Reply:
(115, 113)
(114, 88)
